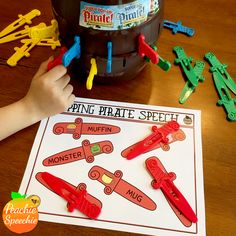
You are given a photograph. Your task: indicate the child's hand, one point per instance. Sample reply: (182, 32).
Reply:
(50, 92)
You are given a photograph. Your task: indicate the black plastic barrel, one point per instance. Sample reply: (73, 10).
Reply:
(99, 22)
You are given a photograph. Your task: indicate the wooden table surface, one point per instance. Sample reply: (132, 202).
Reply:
(214, 22)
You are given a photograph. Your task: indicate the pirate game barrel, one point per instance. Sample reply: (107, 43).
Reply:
(109, 32)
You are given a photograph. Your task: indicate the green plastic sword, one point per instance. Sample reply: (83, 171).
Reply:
(189, 87)
(225, 100)
(224, 75)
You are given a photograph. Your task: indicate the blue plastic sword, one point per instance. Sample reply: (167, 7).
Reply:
(178, 27)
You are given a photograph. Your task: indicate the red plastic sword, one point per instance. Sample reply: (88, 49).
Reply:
(76, 198)
(164, 181)
(178, 135)
(145, 50)
(57, 60)
(159, 135)
(113, 182)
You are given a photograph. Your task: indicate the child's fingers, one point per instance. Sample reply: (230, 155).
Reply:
(56, 73)
(71, 100)
(63, 81)
(68, 90)
(43, 67)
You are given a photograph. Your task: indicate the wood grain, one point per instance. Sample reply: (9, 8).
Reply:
(214, 22)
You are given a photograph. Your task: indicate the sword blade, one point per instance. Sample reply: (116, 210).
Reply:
(134, 195)
(19, 22)
(178, 200)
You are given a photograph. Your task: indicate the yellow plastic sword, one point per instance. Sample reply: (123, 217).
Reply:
(21, 52)
(50, 31)
(21, 34)
(23, 19)
(49, 42)
(28, 45)
(45, 42)
(93, 71)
